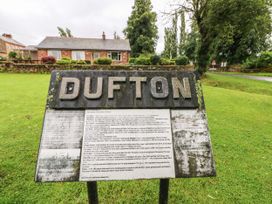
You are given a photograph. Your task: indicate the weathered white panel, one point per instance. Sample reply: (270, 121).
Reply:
(192, 146)
(60, 146)
(127, 144)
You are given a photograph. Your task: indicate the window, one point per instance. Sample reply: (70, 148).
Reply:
(78, 55)
(96, 55)
(115, 56)
(55, 53)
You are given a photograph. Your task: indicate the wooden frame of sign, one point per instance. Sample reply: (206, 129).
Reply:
(124, 125)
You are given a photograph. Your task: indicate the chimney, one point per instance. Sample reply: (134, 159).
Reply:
(7, 35)
(103, 36)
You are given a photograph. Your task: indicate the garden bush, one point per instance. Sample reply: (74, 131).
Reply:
(155, 59)
(12, 55)
(103, 61)
(48, 60)
(63, 62)
(3, 58)
(165, 61)
(80, 62)
(143, 61)
(264, 60)
(182, 60)
(132, 60)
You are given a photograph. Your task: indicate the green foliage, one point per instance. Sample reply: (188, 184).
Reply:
(3, 58)
(63, 62)
(240, 28)
(132, 60)
(12, 55)
(171, 39)
(182, 60)
(103, 61)
(66, 61)
(65, 32)
(141, 29)
(264, 60)
(165, 61)
(81, 62)
(227, 30)
(155, 59)
(183, 34)
(142, 60)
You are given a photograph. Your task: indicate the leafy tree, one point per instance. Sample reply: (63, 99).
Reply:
(65, 32)
(241, 28)
(228, 29)
(183, 34)
(68, 32)
(171, 39)
(167, 43)
(191, 44)
(141, 29)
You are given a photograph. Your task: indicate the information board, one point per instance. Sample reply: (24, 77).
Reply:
(124, 125)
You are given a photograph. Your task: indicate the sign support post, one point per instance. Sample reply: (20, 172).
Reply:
(164, 189)
(92, 192)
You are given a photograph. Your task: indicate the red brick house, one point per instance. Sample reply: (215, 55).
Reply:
(8, 44)
(85, 48)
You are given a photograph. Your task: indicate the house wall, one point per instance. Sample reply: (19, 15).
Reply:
(6, 47)
(41, 54)
(88, 55)
(66, 54)
(3, 50)
(12, 47)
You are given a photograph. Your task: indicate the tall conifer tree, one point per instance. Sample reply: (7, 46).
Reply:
(141, 29)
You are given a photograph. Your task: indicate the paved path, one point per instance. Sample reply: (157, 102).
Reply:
(260, 78)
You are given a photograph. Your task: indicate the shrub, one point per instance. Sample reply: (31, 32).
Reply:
(155, 59)
(66, 58)
(73, 61)
(63, 62)
(182, 60)
(3, 58)
(49, 60)
(88, 62)
(80, 62)
(12, 55)
(250, 63)
(103, 61)
(165, 61)
(143, 61)
(132, 60)
(263, 61)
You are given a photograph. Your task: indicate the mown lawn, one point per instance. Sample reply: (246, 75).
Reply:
(240, 120)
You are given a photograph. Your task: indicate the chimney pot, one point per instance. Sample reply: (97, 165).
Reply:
(104, 36)
(7, 35)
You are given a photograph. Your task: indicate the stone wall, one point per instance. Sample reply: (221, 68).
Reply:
(47, 68)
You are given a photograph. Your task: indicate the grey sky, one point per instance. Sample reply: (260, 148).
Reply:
(29, 21)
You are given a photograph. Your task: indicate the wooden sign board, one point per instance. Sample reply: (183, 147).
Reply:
(124, 125)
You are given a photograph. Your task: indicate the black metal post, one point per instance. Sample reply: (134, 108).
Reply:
(164, 187)
(92, 192)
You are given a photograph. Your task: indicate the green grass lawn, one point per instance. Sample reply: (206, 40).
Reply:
(240, 120)
(250, 74)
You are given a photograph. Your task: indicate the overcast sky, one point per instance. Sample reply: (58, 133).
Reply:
(29, 21)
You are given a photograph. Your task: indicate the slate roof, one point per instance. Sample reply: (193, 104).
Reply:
(84, 44)
(11, 40)
(30, 48)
